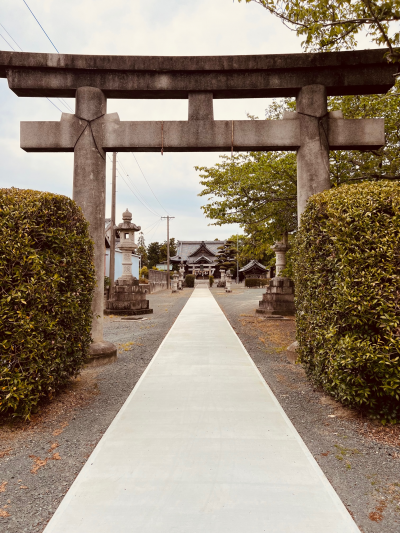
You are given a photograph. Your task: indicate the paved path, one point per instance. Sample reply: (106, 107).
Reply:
(201, 446)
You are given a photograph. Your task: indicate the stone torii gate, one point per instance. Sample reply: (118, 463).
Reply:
(91, 132)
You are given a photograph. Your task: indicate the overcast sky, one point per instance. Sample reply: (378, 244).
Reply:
(151, 27)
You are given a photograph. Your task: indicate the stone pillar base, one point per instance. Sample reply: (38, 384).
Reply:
(128, 297)
(102, 353)
(278, 298)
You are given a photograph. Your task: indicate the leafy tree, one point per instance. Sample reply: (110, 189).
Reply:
(163, 249)
(334, 25)
(226, 257)
(258, 190)
(141, 249)
(153, 254)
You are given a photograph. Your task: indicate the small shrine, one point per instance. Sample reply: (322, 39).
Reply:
(127, 297)
(254, 270)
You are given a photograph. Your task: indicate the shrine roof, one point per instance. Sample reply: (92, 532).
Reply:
(187, 249)
(253, 264)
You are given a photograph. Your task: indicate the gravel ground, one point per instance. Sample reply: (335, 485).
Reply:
(40, 460)
(361, 460)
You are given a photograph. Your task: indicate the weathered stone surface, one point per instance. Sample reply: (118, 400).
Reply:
(291, 352)
(102, 353)
(252, 76)
(128, 297)
(278, 298)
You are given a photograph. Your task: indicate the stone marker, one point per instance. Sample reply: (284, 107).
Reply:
(228, 281)
(175, 282)
(291, 352)
(181, 276)
(222, 280)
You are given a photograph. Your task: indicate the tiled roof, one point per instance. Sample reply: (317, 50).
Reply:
(251, 264)
(188, 248)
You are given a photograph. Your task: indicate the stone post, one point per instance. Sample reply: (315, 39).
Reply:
(181, 278)
(89, 193)
(228, 281)
(313, 154)
(280, 248)
(175, 282)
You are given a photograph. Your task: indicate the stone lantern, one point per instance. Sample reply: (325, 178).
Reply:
(127, 296)
(127, 243)
(278, 298)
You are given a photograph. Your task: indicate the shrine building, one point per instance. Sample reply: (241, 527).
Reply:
(198, 257)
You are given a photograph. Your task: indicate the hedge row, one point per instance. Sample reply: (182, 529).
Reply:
(189, 280)
(347, 277)
(256, 282)
(47, 281)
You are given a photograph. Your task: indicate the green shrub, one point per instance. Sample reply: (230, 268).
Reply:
(347, 277)
(256, 282)
(189, 280)
(106, 282)
(47, 281)
(143, 281)
(144, 272)
(211, 280)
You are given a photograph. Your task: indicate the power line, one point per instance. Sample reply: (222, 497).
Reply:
(140, 168)
(154, 230)
(149, 227)
(41, 26)
(7, 42)
(142, 200)
(130, 188)
(12, 48)
(10, 38)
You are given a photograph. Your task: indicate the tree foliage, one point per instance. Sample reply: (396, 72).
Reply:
(258, 190)
(153, 254)
(335, 24)
(142, 250)
(226, 257)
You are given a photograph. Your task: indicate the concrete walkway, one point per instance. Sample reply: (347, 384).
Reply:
(201, 446)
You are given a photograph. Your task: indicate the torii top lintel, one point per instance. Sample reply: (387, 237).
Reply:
(251, 76)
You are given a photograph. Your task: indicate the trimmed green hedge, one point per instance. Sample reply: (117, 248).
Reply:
(211, 280)
(256, 282)
(347, 275)
(47, 281)
(189, 280)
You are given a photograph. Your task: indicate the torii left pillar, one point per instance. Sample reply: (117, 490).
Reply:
(89, 192)
(82, 134)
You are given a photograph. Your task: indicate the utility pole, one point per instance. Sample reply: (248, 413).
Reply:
(112, 240)
(237, 259)
(168, 277)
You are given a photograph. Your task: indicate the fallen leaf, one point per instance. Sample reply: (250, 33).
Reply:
(23, 487)
(53, 447)
(4, 513)
(60, 430)
(6, 452)
(3, 486)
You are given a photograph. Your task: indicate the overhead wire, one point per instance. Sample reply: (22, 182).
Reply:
(11, 39)
(12, 48)
(41, 26)
(141, 199)
(140, 168)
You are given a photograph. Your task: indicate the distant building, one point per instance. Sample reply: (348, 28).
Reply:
(163, 266)
(254, 269)
(198, 257)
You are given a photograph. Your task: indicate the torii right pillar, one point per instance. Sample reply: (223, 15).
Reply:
(313, 154)
(312, 177)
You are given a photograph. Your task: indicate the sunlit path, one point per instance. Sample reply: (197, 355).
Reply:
(201, 445)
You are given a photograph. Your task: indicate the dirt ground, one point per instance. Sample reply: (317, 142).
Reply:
(360, 459)
(40, 459)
